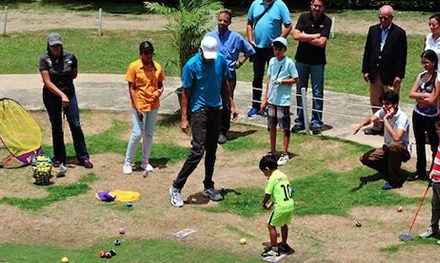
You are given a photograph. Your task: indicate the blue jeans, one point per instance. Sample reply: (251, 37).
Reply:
(317, 76)
(143, 127)
(54, 109)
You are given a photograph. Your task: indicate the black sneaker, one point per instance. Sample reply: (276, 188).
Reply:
(316, 130)
(222, 139)
(415, 177)
(56, 164)
(285, 248)
(87, 164)
(270, 253)
(262, 113)
(297, 128)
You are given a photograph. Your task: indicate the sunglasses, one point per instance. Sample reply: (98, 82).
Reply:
(148, 52)
(386, 18)
(56, 45)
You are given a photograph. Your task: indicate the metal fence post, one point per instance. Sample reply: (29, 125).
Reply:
(332, 28)
(100, 22)
(5, 23)
(305, 110)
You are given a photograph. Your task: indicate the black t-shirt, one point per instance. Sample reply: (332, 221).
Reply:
(307, 53)
(60, 71)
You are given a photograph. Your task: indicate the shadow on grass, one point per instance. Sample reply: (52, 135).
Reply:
(167, 120)
(414, 242)
(233, 135)
(159, 163)
(197, 199)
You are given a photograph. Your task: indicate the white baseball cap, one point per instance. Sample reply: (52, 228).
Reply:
(209, 47)
(281, 40)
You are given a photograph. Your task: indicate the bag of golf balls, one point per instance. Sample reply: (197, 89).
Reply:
(42, 168)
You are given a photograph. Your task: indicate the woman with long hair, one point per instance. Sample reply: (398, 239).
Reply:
(425, 92)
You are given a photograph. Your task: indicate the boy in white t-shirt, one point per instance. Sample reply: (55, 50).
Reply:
(282, 74)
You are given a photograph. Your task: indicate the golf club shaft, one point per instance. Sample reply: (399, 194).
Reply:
(418, 209)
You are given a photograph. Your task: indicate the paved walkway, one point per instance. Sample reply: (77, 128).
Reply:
(109, 91)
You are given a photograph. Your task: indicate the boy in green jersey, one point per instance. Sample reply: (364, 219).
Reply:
(279, 190)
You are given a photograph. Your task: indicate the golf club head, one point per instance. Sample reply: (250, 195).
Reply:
(405, 236)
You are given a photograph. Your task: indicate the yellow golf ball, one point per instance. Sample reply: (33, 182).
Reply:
(242, 241)
(64, 260)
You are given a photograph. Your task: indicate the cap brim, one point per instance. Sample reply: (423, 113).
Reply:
(209, 55)
(55, 42)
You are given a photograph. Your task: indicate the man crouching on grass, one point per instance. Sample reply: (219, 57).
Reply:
(395, 150)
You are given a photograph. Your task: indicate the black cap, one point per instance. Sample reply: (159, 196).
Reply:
(146, 47)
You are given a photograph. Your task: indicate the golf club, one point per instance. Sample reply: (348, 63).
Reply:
(408, 236)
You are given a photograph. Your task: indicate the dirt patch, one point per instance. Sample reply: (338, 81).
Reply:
(82, 221)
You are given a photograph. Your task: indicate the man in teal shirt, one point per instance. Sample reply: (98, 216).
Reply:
(204, 75)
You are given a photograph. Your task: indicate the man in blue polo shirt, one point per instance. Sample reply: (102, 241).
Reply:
(230, 44)
(265, 23)
(312, 32)
(204, 75)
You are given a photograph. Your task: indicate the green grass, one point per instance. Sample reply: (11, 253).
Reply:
(129, 251)
(403, 245)
(116, 49)
(344, 65)
(325, 192)
(111, 53)
(56, 193)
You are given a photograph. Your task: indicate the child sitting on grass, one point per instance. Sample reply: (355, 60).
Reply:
(282, 74)
(434, 176)
(279, 190)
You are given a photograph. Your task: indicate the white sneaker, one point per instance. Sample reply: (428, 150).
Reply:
(176, 197)
(61, 170)
(149, 168)
(284, 158)
(426, 233)
(126, 169)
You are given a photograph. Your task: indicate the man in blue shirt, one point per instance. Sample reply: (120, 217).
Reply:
(230, 44)
(204, 75)
(265, 23)
(312, 32)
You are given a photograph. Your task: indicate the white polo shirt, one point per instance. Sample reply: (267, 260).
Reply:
(398, 121)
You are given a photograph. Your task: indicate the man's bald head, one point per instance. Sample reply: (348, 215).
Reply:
(386, 15)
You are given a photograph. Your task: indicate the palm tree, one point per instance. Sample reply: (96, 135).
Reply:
(189, 21)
